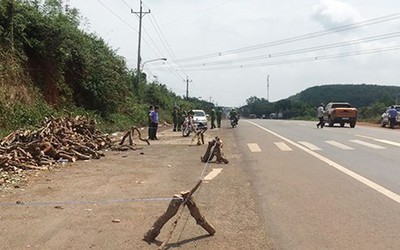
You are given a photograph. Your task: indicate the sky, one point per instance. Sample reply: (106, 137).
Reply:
(231, 50)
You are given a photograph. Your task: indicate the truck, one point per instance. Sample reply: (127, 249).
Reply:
(340, 112)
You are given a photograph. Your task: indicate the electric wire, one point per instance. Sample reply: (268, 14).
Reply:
(127, 4)
(357, 25)
(117, 16)
(298, 51)
(306, 59)
(165, 42)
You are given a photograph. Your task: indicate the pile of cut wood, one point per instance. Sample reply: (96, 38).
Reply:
(65, 139)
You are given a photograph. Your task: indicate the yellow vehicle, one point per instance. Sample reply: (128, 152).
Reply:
(340, 112)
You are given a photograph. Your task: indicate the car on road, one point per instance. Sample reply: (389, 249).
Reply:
(199, 118)
(340, 112)
(385, 116)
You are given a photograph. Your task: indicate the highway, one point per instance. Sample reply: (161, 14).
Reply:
(336, 188)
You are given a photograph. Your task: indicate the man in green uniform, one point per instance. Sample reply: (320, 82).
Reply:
(219, 117)
(176, 118)
(213, 115)
(233, 115)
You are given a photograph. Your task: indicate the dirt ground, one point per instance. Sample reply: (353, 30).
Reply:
(110, 203)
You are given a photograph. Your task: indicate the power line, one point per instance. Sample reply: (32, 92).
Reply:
(127, 4)
(165, 42)
(117, 16)
(298, 51)
(306, 59)
(298, 38)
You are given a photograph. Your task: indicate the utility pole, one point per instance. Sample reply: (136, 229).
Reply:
(187, 86)
(140, 14)
(268, 88)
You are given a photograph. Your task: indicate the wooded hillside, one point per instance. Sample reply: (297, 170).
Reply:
(361, 95)
(370, 100)
(48, 66)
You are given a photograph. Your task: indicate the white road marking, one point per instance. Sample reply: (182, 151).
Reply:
(212, 174)
(391, 195)
(254, 147)
(381, 140)
(283, 146)
(339, 145)
(310, 145)
(389, 142)
(367, 144)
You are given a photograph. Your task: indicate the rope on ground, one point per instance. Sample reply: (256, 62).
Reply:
(58, 203)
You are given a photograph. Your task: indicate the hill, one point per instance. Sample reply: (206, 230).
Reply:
(361, 95)
(50, 67)
(370, 100)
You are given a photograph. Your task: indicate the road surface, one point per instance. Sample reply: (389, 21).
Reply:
(335, 188)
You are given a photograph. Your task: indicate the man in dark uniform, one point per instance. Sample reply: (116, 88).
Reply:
(213, 115)
(176, 118)
(219, 117)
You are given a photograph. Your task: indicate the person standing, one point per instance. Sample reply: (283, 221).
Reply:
(151, 109)
(320, 114)
(392, 116)
(213, 115)
(176, 118)
(219, 117)
(154, 123)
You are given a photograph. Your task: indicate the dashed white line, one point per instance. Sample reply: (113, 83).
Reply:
(254, 147)
(212, 174)
(392, 195)
(381, 140)
(367, 144)
(310, 146)
(339, 145)
(283, 146)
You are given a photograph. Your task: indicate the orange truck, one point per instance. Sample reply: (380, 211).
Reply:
(340, 112)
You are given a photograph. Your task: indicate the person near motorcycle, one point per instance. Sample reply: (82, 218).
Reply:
(213, 114)
(176, 119)
(233, 115)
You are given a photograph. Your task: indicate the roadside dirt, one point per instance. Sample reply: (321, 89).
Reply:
(96, 204)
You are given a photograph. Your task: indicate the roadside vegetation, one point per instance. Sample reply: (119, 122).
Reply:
(49, 67)
(370, 100)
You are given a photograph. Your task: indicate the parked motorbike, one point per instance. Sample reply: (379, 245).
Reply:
(188, 126)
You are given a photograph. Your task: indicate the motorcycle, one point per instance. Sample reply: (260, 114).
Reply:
(234, 122)
(188, 126)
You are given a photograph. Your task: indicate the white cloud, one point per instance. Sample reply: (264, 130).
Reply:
(334, 13)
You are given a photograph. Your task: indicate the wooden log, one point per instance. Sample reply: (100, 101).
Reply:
(207, 155)
(124, 137)
(139, 134)
(68, 157)
(200, 220)
(81, 156)
(160, 222)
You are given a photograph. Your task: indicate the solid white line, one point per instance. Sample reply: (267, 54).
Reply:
(371, 184)
(283, 146)
(367, 144)
(309, 146)
(339, 145)
(212, 174)
(254, 147)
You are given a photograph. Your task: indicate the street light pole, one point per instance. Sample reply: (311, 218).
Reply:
(153, 60)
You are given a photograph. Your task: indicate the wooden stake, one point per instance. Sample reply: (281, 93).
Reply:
(178, 202)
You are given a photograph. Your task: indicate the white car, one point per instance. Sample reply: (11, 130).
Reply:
(199, 118)
(385, 116)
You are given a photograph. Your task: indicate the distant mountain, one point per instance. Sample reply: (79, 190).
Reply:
(359, 95)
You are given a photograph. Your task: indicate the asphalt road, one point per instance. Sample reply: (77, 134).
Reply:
(336, 188)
